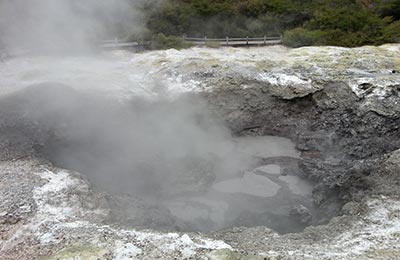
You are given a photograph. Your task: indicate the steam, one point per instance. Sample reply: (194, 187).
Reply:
(141, 147)
(65, 25)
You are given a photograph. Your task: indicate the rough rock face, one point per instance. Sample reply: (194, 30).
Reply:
(340, 106)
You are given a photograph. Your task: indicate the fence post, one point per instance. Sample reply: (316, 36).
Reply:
(265, 39)
(281, 38)
(227, 41)
(205, 40)
(247, 40)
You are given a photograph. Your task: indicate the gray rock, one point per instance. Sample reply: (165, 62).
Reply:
(294, 91)
(301, 213)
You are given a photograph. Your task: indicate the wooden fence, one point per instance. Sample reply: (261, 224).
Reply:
(118, 44)
(227, 41)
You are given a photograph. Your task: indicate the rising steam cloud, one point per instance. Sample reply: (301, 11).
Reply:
(146, 147)
(56, 25)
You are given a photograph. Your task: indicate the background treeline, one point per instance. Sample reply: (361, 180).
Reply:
(302, 22)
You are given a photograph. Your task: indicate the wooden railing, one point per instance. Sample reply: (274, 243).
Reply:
(227, 41)
(118, 44)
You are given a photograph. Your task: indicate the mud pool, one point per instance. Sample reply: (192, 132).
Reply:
(267, 195)
(274, 194)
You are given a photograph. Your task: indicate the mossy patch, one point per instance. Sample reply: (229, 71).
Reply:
(79, 252)
(383, 254)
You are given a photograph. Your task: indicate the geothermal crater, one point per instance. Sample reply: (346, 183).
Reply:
(239, 144)
(167, 164)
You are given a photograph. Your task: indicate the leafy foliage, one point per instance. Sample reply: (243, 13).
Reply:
(301, 37)
(303, 22)
(160, 41)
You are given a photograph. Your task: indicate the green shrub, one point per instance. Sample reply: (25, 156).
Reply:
(391, 33)
(301, 37)
(213, 44)
(160, 41)
(389, 8)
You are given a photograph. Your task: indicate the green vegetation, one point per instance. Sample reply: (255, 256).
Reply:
(303, 22)
(213, 44)
(160, 41)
